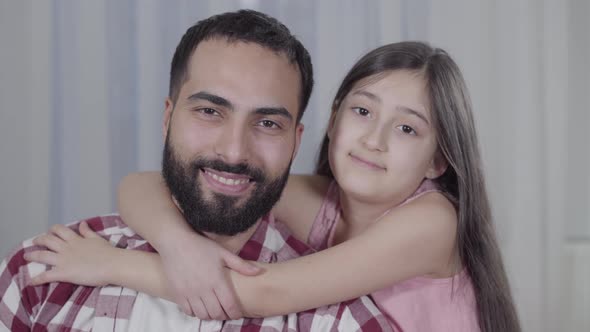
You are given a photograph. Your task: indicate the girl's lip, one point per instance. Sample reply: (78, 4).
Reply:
(366, 163)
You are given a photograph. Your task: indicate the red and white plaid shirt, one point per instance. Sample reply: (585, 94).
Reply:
(68, 307)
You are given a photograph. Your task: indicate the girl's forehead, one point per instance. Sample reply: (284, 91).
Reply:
(400, 87)
(400, 78)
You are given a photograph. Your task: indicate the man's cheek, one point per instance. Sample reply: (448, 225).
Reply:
(275, 167)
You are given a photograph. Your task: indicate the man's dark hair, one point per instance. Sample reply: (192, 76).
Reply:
(243, 26)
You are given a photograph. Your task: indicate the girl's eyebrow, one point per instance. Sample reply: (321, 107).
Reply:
(367, 94)
(404, 109)
(408, 110)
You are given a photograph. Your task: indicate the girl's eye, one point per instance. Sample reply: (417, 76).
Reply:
(361, 111)
(407, 129)
(269, 124)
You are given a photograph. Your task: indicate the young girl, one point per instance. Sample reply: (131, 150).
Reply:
(398, 209)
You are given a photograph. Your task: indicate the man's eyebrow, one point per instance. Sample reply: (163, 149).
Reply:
(281, 111)
(413, 112)
(214, 99)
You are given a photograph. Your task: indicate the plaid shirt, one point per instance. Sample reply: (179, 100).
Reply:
(68, 307)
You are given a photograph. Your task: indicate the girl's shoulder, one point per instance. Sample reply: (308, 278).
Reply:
(431, 220)
(300, 203)
(430, 203)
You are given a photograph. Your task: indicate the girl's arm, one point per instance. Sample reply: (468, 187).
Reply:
(201, 289)
(145, 204)
(89, 260)
(415, 239)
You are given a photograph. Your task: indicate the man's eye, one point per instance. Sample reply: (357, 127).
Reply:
(361, 111)
(268, 124)
(208, 111)
(407, 129)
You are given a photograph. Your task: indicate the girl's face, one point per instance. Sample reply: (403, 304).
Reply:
(382, 142)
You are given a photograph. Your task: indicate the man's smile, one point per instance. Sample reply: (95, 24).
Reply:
(227, 183)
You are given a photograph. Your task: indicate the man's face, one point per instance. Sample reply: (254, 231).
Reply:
(232, 135)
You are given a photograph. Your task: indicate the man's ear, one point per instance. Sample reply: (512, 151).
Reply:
(438, 165)
(167, 117)
(298, 133)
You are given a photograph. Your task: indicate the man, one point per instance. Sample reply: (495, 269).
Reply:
(239, 84)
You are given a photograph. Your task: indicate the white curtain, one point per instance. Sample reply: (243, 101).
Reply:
(82, 87)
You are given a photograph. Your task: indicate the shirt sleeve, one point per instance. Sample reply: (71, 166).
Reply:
(18, 301)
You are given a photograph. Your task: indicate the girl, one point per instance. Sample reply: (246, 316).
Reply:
(398, 209)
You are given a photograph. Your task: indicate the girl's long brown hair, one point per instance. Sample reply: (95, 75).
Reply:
(452, 117)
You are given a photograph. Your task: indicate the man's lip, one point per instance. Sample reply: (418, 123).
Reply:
(213, 182)
(366, 163)
(227, 175)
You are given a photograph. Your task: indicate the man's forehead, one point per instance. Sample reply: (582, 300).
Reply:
(243, 73)
(219, 49)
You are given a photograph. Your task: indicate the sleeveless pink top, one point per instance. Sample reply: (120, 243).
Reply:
(416, 304)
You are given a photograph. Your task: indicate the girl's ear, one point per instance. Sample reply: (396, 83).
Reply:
(438, 166)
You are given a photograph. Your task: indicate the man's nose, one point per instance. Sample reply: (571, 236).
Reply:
(232, 146)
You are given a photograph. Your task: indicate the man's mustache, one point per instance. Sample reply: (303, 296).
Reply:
(254, 173)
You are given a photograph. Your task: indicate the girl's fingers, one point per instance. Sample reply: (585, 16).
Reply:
(42, 256)
(213, 306)
(64, 232)
(50, 241)
(86, 232)
(228, 304)
(240, 265)
(45, 278)
(198, 309)
(185, 307)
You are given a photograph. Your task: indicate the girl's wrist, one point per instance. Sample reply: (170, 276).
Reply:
(173, 234)
(166, 241)
(116, 266)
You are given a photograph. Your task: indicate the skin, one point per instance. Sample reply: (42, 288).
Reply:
(239, 105)
(382, 146)
(389, 150)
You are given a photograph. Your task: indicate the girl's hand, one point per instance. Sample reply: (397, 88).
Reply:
(84, 260)
(196, 269)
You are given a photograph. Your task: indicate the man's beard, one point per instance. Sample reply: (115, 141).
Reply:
(219, 215)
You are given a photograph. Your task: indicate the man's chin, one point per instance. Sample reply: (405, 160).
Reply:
(219, 224)
(215, 199)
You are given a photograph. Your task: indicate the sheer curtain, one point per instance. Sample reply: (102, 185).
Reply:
(82, 87)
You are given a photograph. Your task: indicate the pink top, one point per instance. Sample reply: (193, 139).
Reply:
(417, 304)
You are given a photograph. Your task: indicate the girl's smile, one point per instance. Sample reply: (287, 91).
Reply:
(366, 163)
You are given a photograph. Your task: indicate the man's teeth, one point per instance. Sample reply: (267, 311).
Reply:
(229, 182)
